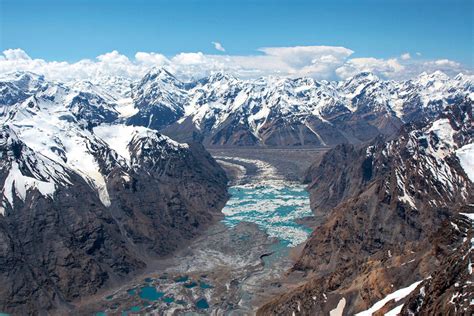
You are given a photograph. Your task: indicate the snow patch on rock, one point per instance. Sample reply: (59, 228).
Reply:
(466, 157)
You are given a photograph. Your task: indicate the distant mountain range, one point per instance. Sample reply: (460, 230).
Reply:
(224, 111)
(221, 110)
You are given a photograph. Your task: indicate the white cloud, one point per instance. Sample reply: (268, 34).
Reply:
(385, 68)
(218, 46)
(418, 54)
(447, 66)
(152, 59)
(445, 63)
(189, 59)
(16, 54)
(113, 57)
(405, 56)
(299, 56)
(319, 62)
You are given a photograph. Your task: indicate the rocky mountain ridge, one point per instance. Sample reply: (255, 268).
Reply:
(86, 201)
(221, 110)
(398, 220)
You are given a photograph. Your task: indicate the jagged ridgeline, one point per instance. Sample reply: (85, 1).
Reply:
(222, 110)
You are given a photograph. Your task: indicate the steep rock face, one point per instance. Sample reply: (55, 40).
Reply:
(68, 244)
(56, 244)
(168, 199)
(384, 206)
(332, 181)
(414, 180)
(84, 204)
(449, 290)
(415, 278)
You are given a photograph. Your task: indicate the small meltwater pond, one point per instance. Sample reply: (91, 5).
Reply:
(159, 294)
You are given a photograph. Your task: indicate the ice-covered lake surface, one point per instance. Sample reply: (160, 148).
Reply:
(273, 207)
(266, 199)
(260, 195)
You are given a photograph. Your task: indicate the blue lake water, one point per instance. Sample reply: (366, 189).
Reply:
(150, 293)
(204, 285)
(180, 279)
(168, 299)
(202, 304)
(274, 208)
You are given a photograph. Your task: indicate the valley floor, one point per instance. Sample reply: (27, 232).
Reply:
(239, 262)
(290, 163)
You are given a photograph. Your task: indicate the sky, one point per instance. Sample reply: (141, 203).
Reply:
(394, 38)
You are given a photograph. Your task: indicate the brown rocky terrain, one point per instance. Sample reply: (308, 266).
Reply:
(57, 248)
(391, 220)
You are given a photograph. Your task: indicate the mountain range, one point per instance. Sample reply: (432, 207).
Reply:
(222, 110)
(100, 177)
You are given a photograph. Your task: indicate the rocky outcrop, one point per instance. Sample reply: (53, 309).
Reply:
(391, 220)
(434, 271)
(168, 200)
(449, 289)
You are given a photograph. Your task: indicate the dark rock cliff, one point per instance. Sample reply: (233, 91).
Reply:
(60, 247)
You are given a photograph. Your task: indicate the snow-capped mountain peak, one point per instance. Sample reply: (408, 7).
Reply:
(55, 125)
(160, 74)
(27, 170)
(265, 111)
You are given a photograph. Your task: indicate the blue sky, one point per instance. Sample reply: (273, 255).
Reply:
(320, 39)
(71, 30)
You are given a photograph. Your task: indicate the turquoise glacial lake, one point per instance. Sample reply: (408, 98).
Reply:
(150, 293)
